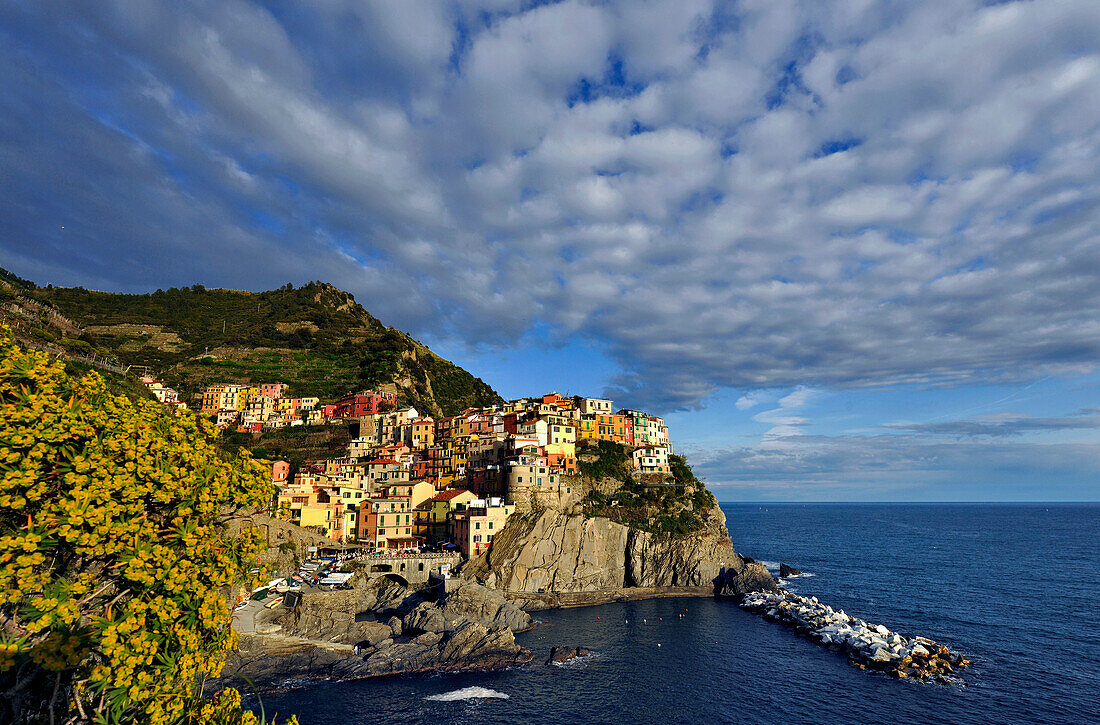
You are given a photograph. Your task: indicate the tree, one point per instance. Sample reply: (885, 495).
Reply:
(114, 561)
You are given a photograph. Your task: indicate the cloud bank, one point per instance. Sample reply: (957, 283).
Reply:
(753, 194)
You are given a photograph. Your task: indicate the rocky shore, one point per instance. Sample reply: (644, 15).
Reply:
(867, 646)
(383, 628)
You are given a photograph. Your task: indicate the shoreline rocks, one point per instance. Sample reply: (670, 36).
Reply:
(265, 662)
(867, 646)
(384, 628)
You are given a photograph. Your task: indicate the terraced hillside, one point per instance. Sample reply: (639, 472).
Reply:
(316, 338)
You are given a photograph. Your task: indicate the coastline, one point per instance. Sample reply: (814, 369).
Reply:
(569, 600)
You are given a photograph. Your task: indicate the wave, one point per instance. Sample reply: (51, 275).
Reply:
(467, 693)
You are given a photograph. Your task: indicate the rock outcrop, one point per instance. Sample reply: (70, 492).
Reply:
(736, 581)
(562, 552)
(561, 655)
(327, 617)
(379, 629)
(786, 571)
(469, 602)
(264, 662)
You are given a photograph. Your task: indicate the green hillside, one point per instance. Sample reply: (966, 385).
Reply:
(316, 338)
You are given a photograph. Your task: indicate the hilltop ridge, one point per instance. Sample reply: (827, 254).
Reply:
(315, 337)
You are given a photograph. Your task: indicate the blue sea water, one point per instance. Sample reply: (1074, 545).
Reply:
(1014, 587)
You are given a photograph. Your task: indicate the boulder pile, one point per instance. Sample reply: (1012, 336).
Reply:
(867, 646)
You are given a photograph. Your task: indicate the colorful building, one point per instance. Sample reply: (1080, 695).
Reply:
(363, 403)
(473, 529)
(433, 517)
(651, 459)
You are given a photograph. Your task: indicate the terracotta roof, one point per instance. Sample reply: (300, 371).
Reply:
(449, 494)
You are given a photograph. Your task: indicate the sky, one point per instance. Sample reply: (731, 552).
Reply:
(850, 249)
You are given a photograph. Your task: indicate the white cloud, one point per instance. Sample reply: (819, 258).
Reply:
(763, 195)
(747, 401)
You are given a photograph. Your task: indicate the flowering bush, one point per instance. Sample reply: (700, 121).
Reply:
(113, 558)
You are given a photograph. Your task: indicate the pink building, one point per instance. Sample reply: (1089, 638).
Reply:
(280, 471)
(272, 390)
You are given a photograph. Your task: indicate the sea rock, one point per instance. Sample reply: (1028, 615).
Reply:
(558, 655)
(786, 571)
(741, 578)
(881, 654)
(324, 616)
(395, 626)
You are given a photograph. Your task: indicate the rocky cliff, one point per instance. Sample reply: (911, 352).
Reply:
(378, 628)
(554, 552)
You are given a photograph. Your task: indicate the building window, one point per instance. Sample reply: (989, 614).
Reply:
(490, 524)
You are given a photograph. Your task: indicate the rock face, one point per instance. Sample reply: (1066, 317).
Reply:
(265, 662)
(328, 617)
(471, 645)
(383, 628)
(736, 581)
(786, 571)
(469, 602)
(557, 551)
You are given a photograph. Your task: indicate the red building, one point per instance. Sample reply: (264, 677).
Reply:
(365, 402)
(564, 464)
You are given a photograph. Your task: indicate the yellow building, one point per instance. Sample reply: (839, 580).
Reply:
(586, 429)
(421, 433)
(473, 529)
(417, 491)
(434, 515)
(223, 396)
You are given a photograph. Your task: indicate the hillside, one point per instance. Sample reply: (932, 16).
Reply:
(316, 338)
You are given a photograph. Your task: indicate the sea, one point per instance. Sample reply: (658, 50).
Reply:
(1016, 588)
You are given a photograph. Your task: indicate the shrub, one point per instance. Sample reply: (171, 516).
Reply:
(113, 551)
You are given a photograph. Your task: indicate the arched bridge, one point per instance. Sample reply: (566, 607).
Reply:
(412, 568)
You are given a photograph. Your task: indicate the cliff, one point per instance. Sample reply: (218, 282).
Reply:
(563, 557)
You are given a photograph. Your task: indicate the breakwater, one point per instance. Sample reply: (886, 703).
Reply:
(867, 646)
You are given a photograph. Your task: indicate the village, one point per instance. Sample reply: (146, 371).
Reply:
(410, 482)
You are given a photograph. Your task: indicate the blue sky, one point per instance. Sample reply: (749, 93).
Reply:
(849, 248)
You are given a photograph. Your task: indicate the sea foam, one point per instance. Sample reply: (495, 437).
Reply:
(467, 693)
